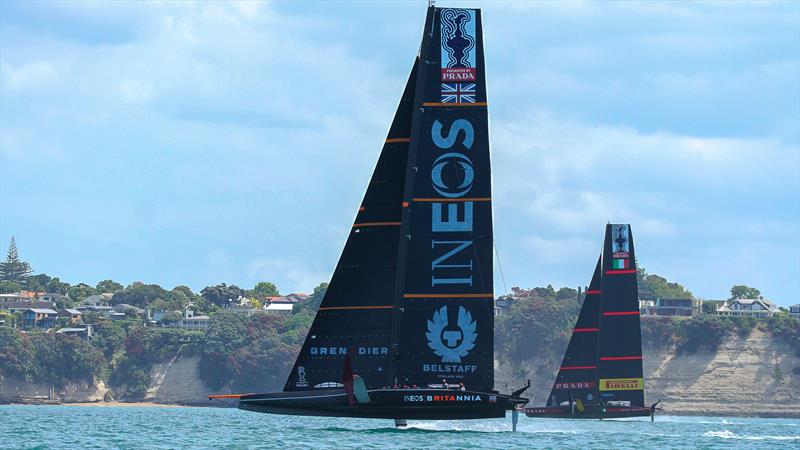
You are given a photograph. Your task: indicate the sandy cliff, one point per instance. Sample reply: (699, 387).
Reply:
(14, 390)
(739, 378)
(178, 381)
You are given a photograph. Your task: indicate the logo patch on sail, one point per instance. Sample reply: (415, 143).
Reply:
(621, 384)
(301, 377)
(458, 93)
(458, 45)
(619, 241)
(451, 342)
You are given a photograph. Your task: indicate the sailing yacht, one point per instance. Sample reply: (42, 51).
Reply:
(409, 309)
(601, 375)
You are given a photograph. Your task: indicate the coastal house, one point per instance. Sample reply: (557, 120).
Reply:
(748, 307)
(21, 296)
(502, 303)
(51, 297)
(97, 300)
(279, 307)
(194, 323)
(39, 318)
(128, 310)
(84, 332)
(670, 307)
(15, 307)
(794, 311)
(73, 315)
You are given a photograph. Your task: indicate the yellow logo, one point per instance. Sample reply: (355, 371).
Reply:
(621, 384)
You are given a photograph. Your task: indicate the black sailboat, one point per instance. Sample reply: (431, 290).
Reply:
(601, 374)
(409, 310)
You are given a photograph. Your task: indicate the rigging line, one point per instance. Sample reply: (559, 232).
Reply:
(500, 266)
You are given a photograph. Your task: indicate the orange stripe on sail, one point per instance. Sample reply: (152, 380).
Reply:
(335, 308)
(393, 140)
(445, 200)
(455, 104)
(375, 224)
(448, 295)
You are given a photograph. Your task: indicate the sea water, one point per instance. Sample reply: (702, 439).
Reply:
(68, 427)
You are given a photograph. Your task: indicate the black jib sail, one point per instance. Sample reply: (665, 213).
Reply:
(444, 300)
(619, 364)
(355, 316)
(577, 376)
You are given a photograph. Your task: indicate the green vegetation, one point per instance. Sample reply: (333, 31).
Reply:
(652, 287)
(14, 269)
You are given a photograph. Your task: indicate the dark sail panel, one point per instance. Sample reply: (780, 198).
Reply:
(577, 376)
(446, 321)
(620, 338)
(355, 316)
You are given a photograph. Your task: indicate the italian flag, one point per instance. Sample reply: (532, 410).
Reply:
(621, 264)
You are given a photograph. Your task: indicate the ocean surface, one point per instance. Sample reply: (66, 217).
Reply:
(67, 427)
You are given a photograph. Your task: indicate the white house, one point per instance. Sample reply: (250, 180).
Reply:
(750, 307)
(279, 307)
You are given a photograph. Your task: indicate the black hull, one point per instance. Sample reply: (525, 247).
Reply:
(424, 404)
(590, 412)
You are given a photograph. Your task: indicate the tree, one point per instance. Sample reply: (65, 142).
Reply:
(13, 268)
(742, 291)
(108, 286)
(80, 291)
(266, 289)
(7, 287)
(222, 294)
(55, 286)
(139, 294)
(37, 283)
(652, 287)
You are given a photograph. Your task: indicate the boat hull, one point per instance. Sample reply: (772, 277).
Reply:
(589, 412)
(430, 404)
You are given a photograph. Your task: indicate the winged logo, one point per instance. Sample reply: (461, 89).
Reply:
(451, 344)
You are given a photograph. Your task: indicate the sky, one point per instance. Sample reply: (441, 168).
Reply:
(199, 143)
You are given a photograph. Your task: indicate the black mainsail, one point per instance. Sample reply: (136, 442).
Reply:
(601, 374)
(409, 309)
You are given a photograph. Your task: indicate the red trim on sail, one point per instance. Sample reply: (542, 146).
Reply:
(393, 140)
(362, 208)
(405, 204)
(620, 358)
(585, 330)
(621, 313)
(577, 367)
(594, 292)
(620, 272)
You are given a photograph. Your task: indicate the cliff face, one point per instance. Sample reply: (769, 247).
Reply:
(178, 381)
(14, 390)
(745, 376)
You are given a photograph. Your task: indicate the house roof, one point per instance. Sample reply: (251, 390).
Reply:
(42, 310)
(196, 318)
(10, 305)
(72, 311)
(766, 304)
(71, 330)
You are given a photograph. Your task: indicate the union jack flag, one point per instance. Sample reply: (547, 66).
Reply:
(458, 93)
